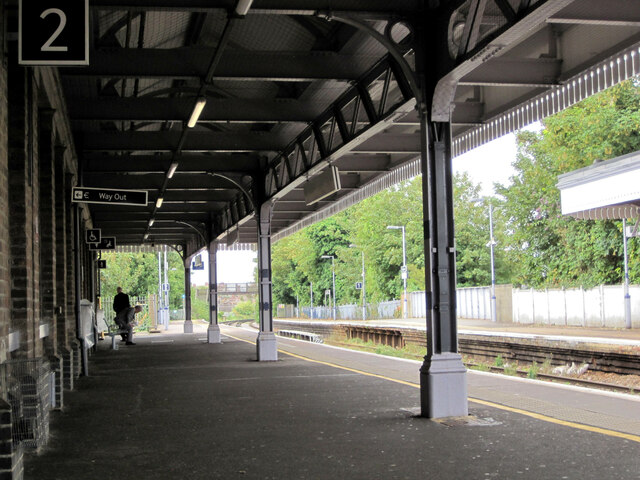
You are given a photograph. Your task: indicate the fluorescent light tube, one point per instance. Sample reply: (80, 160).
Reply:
(243, 7)
(197, 110)
(151, 222)
(172, 169)
(159, 202)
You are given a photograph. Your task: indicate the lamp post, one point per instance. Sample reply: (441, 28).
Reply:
(491, 244)
(627, 297)
(364, 290)
(333, 275)
(403, 271)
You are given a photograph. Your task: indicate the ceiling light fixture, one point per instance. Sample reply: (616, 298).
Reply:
(159, 202)
(243, 7)
(197, 110)
(151, 222)
(172, 169)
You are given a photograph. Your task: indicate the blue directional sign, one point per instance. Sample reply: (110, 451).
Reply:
(358, 285)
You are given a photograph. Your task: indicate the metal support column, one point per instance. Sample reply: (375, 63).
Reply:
(213, 333)
(443, 382)
(188, 324)
(266, 343)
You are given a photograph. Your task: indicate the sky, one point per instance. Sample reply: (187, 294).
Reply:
(486, 165)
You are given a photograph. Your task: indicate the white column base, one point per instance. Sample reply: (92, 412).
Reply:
(267, 347)
(213, 334)
(188, 326)
(443, 386)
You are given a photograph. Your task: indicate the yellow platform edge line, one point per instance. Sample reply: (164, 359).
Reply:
(538, 416)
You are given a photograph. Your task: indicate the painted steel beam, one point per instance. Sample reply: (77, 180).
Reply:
(168, 141)
(334, 134)
(192, 63)
(151, 109)
(390, 143)
(450, 72)
(363, 163)
(155, 181)
(618, 13)
(467, 113)
(221, 162)
(99, 216)
(274, 7)
(170, 207)
(207, 195)
(515, 72)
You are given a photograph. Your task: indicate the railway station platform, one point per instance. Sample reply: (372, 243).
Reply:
(174, 406)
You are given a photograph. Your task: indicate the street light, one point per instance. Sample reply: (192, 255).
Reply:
(364, 292)
(333, 275)
(403, 271)
(492, 243)
(627, 297)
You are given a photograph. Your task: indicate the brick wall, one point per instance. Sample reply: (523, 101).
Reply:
(47, 228)
(11, 455)
(20, 220)
(5, 279)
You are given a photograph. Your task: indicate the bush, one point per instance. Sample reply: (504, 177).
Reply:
(244, 310)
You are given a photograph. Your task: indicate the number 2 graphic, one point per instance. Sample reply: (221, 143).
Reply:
(47, 47)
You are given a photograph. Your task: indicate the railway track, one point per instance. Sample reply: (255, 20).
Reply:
(519, 373)
(601, 358)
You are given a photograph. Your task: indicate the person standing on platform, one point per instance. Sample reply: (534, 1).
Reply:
(120, 301)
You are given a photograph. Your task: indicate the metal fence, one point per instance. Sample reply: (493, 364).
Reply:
(390, 309)
(28, 385)
(106, 304)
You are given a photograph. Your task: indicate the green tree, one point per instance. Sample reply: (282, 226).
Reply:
(550, 249)
(137, 274)
(473, 254)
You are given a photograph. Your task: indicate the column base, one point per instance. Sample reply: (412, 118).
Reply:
(443, 386)
(267, 347)
(188, 326)
(213, 334)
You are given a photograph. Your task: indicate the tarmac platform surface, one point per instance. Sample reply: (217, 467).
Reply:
(175, 407)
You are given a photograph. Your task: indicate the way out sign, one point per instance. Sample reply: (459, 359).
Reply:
(109, 196)
(53, 33)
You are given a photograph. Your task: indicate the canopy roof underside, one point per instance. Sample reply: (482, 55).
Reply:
(297, 85)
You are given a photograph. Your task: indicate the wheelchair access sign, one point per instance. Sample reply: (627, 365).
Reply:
(106, 243)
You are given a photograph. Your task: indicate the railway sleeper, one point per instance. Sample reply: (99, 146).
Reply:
(602, 361)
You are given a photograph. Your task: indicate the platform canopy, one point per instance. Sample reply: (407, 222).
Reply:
(294, 87)
(603, 191)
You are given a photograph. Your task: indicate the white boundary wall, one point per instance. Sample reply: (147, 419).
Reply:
(602, 306)
(474, 302)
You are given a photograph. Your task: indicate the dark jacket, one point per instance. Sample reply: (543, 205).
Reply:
(120, 302)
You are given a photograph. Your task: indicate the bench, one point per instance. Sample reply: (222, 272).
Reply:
(115, 332)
